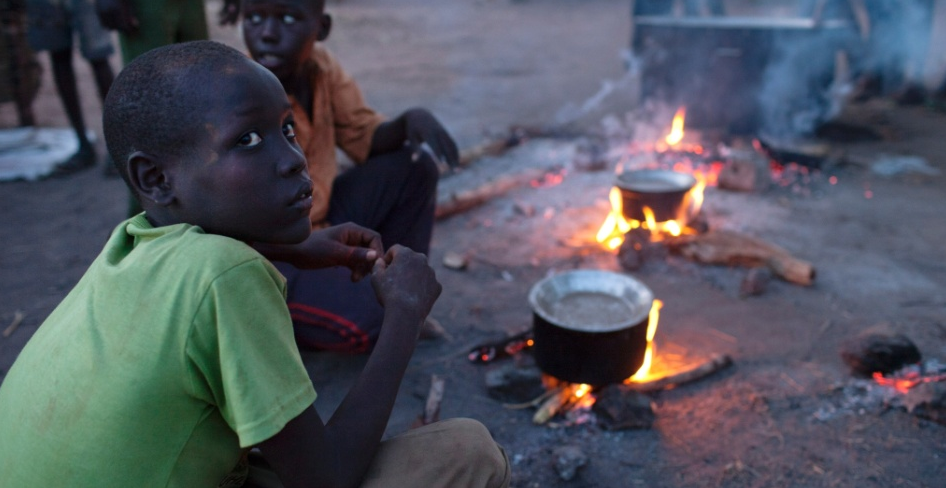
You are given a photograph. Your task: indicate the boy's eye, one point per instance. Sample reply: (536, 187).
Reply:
(289, 19)
(289, 130)
(250, 139)
(255, 18)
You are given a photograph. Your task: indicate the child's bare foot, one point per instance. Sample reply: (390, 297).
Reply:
(83, 158)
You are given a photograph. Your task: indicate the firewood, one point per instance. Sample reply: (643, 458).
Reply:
(553, 404)
(17, 320)
(734, 249)
(712, 365)
(432, 406)
(463, 200)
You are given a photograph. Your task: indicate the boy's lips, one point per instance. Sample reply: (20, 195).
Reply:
(303, 199)
(269, 60)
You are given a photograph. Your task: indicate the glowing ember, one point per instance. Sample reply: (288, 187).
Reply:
(676, 128)
(908, 380)
(642, 372)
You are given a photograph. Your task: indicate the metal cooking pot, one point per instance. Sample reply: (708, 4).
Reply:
(663, 191)
(590, 326)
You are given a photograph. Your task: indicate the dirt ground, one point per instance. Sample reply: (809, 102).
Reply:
(777, 418)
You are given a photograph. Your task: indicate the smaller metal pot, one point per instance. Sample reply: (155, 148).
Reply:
(663, 191)
(590, 326)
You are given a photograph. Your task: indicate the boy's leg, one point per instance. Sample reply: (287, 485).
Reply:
(392, 195)
(331, 313)
(455, 453)
(163, 22)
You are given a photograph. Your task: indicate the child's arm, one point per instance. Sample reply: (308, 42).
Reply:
(416, 127)
(309, 453)
(117, 15)
(347, 245)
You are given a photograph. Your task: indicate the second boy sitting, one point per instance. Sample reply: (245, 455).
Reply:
(392, 188)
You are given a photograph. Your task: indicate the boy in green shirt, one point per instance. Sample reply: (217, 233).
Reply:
(174, 354)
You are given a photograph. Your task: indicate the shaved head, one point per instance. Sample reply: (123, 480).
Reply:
(156, 102)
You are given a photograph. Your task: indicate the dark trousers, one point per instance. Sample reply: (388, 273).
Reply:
(395, 197)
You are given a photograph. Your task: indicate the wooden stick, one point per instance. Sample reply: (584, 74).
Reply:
(714, 364)
(553, 404)
(434, 398)
(463, 200)
(17, 320)
(731, 248)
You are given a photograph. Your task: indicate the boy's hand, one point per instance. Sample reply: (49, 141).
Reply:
(425, 134)
(404, 281)
(230, 12)
(349, 245)
(117, 15)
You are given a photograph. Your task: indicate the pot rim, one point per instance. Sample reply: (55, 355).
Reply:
(605, 282)
(682, 182)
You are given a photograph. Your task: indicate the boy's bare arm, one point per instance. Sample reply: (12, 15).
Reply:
(309, 453)
(348, 245)
(416, 127)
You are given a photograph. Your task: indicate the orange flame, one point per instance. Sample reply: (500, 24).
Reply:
(644, 370)
(615, 225)
(676, 127)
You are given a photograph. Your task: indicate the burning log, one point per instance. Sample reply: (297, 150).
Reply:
(565, 395)
(734, 249)
(744, 171)
(463, 200)
(714, 364)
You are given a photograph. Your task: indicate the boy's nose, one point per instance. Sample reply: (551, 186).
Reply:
(292, 162)
(270, 32)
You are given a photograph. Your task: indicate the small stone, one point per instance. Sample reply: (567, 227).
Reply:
(755, 282)
(879, 351)
(455, 260)
(568, 460)
(619, 407)
(524, 209)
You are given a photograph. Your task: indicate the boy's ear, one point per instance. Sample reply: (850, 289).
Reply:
(149, 177)
(325, 26)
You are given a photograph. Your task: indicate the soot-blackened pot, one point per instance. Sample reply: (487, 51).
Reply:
(663, 191)
(590, 326)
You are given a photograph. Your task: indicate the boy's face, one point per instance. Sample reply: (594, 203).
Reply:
(247, 177)
(280, 33)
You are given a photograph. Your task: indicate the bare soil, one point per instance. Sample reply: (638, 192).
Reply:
(483, 65)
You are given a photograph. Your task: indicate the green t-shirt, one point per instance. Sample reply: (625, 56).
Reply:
(172, 355)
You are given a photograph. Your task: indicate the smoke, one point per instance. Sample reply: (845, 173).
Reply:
(770, 69)
(803, 84)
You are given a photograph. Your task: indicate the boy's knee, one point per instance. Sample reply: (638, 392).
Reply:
(486, 459)
(425, 172)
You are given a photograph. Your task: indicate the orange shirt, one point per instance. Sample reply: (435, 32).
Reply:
(341, 118)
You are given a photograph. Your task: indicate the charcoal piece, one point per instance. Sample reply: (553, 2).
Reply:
(744, 173)
(618, 407)
(882, 352)
(755, 282)
(568, 460)
(699, 223)
(511, 384)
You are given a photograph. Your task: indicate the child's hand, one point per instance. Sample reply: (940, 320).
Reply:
(426, 134)
(117, 15)
(352, 246)
(349, 245)
(404, 281)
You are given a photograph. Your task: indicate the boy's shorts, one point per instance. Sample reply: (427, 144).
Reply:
(52, 24)
(163, 22)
